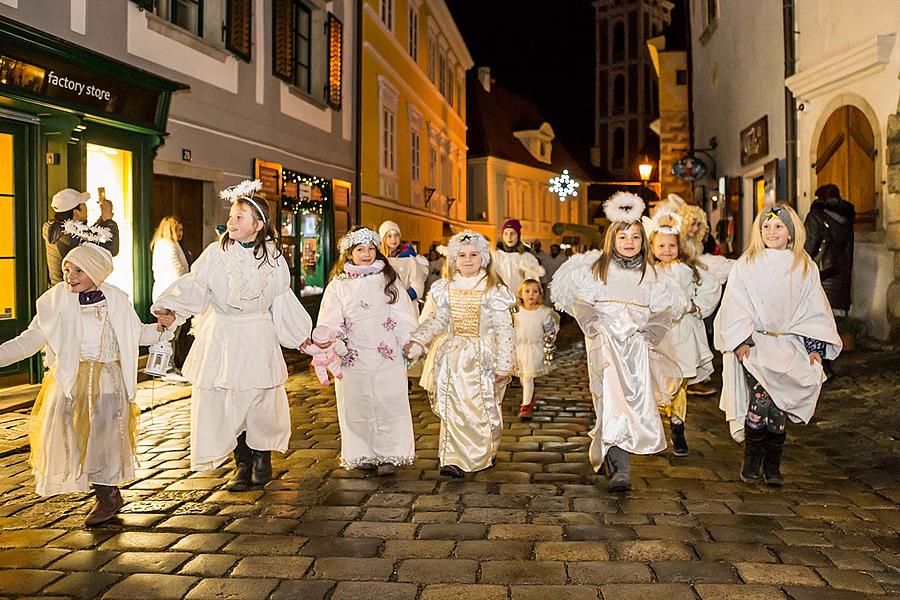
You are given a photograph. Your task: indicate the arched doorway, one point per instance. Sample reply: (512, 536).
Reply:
(845, 156)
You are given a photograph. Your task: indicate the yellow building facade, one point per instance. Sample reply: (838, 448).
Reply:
(413, 157)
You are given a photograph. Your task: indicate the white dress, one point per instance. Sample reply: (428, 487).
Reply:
(412, 272)
(514, 267)
(531, 327)
(169, 263)
(776, 305)
(473, 340)
(686, 342)
(84, 425)
(623, 320)
(235, 364)
(372, 401)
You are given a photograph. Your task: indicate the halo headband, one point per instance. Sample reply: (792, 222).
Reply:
(779, 212)
(673, 220)
(245, 191)
(360, 236)
(624, 207)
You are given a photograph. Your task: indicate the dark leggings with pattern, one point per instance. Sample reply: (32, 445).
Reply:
(762, 411)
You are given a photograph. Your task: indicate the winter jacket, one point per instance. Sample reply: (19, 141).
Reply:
(829, 241)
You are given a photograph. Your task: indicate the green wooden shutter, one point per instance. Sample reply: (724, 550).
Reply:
(283, 40)
(239, 28)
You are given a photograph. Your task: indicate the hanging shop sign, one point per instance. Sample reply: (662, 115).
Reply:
(755, 141)
(689, 168)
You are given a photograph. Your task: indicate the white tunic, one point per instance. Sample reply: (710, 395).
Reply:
(235, 364)
(686, 342)
(718, 265)
(776, 305)
(514, 267)
(412, 272)
(83, 422)
(531, 327)
(372, 400)
(623, 320)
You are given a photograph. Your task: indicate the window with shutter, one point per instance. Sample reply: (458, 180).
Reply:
(239, 28)
(283, 40)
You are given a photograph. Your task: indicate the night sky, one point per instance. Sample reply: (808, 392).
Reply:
(540, 49)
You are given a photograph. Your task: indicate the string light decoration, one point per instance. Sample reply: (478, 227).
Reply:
(304, 206)
(564, 186)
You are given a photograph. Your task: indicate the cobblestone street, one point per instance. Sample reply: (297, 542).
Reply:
(539, 525)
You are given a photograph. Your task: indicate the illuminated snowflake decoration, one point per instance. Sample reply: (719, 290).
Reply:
(564, 186)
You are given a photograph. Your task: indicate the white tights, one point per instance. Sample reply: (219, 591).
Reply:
(527, 389)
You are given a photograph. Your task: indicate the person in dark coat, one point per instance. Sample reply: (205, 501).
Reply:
(68, 230)
(829, 241)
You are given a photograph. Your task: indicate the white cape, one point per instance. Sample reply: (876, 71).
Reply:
(777, 306)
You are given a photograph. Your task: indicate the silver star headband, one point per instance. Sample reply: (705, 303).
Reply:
(469, 237)
(360, 236)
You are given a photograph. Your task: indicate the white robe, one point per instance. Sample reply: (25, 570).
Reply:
(372, 398)
(472, 343)
(235, 364)
(412, 272)
(514, 267)
(622, 320)
(776, 305)
(530, 330)
(108, 333)
(686, 342)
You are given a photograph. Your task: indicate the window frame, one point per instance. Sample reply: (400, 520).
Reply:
(386, 13)
(412, 44)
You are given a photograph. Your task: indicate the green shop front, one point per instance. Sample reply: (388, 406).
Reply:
(70, 117)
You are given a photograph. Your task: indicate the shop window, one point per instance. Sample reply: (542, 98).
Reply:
(7, 230)
(305, 200)
(110, 170)
(413, 46)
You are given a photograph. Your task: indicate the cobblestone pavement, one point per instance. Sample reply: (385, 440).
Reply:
(539, 525)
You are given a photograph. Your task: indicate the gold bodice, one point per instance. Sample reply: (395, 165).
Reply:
(465, 312)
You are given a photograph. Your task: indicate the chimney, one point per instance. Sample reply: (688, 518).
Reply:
(484, 78)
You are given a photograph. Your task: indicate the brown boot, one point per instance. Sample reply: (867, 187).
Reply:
(108, 503)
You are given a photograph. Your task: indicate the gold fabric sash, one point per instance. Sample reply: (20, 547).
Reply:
(465, 312)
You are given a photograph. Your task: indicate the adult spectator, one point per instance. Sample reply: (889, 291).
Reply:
(169, 260)
(68, 229)
(829, 241)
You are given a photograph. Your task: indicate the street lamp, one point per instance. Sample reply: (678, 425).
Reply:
(645, 169)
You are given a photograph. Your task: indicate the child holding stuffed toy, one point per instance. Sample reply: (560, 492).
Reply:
(774, 329)
(84, 421)
(536, 328)
(327, 352)
(367, 306)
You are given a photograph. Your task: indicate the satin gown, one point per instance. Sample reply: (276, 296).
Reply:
(475, 341)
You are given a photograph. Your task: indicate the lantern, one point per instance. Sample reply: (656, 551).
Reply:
(159, 361)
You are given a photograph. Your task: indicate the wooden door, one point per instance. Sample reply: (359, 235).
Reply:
(845, 156)
(182, 198)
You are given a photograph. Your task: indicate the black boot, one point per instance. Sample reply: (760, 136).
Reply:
(262, 467)
(240, 477)
(619, 465)
(754, 450)
(678, 441)
(452, 471)
(774, 447)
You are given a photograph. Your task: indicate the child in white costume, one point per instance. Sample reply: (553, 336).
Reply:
(512, 261)
(366, 304)
(84, 423)
(624, 309)
(242, 286)
(774, 328)
(411, 268)
(473, 357)
(686, 342)
(536, 324)
(694, 229)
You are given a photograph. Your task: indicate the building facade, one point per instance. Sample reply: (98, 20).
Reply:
(626, 83)
(513, 155)
(847, 94)
(413, 158)
(243, 88)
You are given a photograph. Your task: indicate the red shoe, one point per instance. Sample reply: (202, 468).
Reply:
(526, 411)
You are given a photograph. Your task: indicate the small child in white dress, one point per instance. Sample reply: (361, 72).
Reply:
(83, 430)
(536, 327)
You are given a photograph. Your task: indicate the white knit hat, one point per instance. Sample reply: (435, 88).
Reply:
(94, 260)
(67, 199)
(387, 227)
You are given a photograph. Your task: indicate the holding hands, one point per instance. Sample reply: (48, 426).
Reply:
(165, 318)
